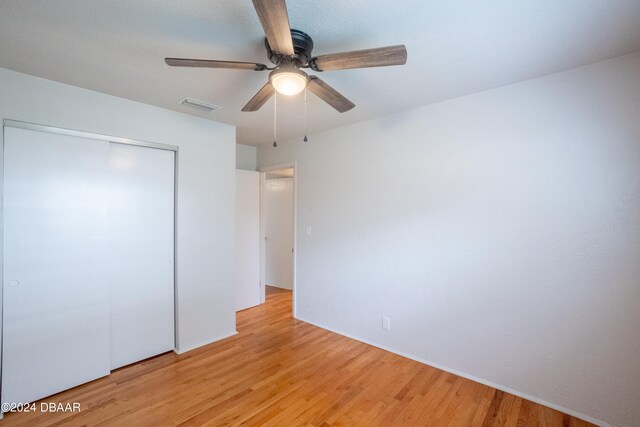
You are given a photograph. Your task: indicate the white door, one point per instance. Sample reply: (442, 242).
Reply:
(141, 251)
(278, 205)
(55, 279)
(248, 291)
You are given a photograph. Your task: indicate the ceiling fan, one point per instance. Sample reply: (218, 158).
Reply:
(290, 50)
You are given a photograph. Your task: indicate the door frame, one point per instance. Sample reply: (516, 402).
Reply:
(263, 173)
(113, 139)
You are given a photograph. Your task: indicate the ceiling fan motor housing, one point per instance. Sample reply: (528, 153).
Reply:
(302, 47)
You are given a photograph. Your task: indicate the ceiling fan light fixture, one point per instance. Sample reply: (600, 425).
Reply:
(289, 50)
(288, 81)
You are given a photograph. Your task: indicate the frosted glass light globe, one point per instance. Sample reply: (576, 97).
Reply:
(288, 82)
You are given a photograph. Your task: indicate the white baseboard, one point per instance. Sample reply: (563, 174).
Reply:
(182, 350)
(465, 375)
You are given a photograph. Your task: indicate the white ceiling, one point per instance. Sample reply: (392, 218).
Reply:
(455, 47)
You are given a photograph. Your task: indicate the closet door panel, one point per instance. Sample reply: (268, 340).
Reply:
(248, 289)
(141, 251)
(55, 278)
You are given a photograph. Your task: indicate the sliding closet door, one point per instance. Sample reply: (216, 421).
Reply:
(55, 279)
(141, 210)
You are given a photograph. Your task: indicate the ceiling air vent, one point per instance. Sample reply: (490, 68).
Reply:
(201, 105)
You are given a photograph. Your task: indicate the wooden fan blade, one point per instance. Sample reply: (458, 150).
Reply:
(259, 98)
(329, 94)
(207, 63)
(378, 57)
(275, 22)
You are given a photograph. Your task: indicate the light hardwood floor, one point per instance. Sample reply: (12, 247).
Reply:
(283, 372)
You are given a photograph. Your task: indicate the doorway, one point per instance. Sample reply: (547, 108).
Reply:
(278, 225)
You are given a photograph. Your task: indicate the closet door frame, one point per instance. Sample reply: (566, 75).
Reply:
(89, 135)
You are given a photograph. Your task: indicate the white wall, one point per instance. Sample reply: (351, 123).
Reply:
(206, 186)
(499, 231)
(246, 157)
(278, 223)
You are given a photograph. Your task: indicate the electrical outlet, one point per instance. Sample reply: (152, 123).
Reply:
(386, 323)
(307, 230)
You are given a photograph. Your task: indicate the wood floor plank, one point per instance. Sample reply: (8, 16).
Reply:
(279, 371)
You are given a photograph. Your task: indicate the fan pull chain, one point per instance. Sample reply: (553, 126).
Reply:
(305, 139)
(275, 115)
